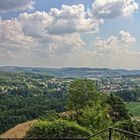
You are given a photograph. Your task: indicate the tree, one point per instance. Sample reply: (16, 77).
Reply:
(95, 118)
(118, 111)
(82, 93)
(89, 109)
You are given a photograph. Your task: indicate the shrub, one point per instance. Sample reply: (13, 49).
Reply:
(57, 129)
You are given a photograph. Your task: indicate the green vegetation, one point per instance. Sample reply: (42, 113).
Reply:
(136, 81)
(88, 112)
(77, 107)
(26, 96)
(134, 108)
(81, 94)
(57, 129)
(129, 95)
(89, 108)
(118, 111)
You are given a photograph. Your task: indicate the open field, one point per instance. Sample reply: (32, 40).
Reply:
(134, 108)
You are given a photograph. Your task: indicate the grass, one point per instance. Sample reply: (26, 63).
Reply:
(134, 108)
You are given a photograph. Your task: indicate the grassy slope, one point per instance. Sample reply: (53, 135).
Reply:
(134, 108)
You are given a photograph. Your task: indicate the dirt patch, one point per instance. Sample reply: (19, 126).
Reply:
(19, 131)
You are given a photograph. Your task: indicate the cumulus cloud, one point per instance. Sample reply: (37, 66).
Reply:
(125, 39)
(14, 44)
(27, 37)
(35, 24)
(67, 20)
(112, 52)
(116, 52)
(12, 36)
(71, 19)
(54, 39)
(45, 34)
(114, 8)
(7, 5)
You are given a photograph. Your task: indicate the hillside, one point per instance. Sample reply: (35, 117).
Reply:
(27, 96)
(74, 72)
(19, 130)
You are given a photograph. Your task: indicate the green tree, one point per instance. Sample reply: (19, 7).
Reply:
(82, 93)
(118, 111)
(88, 106)
(95, 118)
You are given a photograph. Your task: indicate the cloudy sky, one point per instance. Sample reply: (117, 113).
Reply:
(70, 33)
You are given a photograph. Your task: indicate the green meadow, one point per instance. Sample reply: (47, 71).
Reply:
(134, 108)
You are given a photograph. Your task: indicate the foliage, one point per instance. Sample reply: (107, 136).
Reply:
(26, 96)
(50, 115)
(81, 93)
(126, 125)
(57, 129)
(88, 105)
(129, 95)
(118, 111)
(94, 118)
(130, 126)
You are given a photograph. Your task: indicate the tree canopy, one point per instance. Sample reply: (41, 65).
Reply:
(81, 94)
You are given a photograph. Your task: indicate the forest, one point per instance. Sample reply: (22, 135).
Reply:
(24, 96)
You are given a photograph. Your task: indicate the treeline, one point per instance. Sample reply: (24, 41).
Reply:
(129, 95)
(21, 79)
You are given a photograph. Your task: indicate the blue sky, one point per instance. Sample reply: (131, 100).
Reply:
(69, 33)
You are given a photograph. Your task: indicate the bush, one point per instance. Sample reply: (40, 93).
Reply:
(129, 126)
(57, 129)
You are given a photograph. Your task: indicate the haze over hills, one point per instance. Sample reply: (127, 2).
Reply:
(74, 72)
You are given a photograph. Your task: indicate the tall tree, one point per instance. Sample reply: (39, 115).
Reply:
(118, 111)
(82, 93)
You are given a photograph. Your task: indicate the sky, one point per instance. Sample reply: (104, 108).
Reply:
(70, 33)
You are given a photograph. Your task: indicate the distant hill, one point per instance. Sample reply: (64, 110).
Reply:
(74, 72)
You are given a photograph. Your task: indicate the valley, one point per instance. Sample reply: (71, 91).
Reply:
(33, 93)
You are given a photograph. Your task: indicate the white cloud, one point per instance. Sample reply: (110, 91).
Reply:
(112, 52)
(8, 5)
(71, 19)
(12, 36)
(54, 39)
(31, 36)
(27, 37)
(116, 52)
(125, 39)
(53, 45)
(35, 24)
(114, 8)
